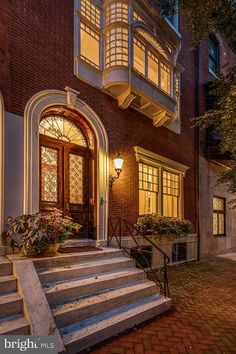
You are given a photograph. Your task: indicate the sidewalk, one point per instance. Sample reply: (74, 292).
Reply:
(203, 319)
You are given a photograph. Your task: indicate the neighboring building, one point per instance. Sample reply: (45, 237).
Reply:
(217, 218)
(84, 81)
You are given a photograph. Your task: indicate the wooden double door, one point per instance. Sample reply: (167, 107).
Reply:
(66, 182)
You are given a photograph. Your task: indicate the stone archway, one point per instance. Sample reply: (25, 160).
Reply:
(34, 108)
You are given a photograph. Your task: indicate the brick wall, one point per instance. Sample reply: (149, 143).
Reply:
(41, 51)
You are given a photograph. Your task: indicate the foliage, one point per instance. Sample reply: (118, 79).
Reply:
(37, 232)
(204, 17)
(152, 224)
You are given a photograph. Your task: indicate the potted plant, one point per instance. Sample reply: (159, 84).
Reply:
(159, 227)
(41, 233)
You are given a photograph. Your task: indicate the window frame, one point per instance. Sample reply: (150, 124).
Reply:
(159, 192)
(213, 39)
(219, 212)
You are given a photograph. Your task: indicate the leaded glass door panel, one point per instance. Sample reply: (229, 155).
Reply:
(65, 182)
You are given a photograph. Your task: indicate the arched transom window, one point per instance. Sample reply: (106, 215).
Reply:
(61, 128)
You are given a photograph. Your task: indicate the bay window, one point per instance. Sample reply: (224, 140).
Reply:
(159, 191)
(117, 47)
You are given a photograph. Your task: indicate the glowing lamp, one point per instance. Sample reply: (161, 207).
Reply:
(118, 164)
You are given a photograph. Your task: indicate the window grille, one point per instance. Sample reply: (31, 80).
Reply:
(117, 47)
(139, 56)
(117, 12)
(89, 45)
(171, 194)
(62, 129)
(91, 12)
(218, 216)
(148, 189)
(165, 78)
(153, 67)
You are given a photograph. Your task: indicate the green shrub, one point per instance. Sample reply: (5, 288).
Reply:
(152, 224)
(37, 232)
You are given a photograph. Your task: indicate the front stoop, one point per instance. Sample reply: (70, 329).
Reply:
(96, 295)
(12, 320)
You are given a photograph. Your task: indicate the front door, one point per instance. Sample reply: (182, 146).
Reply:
(65, 181)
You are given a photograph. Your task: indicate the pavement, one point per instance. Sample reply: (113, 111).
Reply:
(203, 317)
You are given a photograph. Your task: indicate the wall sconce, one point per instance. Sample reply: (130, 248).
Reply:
(118, 163)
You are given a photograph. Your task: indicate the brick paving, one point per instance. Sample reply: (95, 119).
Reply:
(203, 318)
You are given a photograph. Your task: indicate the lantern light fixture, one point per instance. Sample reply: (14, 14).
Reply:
(118, 164)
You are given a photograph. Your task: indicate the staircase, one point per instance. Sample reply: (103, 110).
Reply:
(96, 295)
(12, 320)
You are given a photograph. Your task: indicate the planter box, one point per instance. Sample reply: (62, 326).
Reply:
(168, 245)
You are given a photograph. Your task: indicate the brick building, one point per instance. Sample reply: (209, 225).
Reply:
(84, 81)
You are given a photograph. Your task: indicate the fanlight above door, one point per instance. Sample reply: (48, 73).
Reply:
(62, 129)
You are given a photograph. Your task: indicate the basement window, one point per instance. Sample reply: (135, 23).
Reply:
(179, 252)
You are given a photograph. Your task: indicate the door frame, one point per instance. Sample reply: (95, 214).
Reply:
(33, 111)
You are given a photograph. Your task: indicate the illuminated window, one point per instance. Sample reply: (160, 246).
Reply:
(91, 12)
(152, 67)
(165, 78)
(117, 47)
(137, 16)
(148, 189)
(139, 56)
(62, 129)
(117, 12)
(89, 45)
(213, 50)
(218, 216)
(171, 194)
(159, 191)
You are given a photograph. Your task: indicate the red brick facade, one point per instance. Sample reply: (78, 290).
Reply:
(40, 57)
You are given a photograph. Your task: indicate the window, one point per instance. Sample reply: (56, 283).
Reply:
(165, 78)
(171, 194)
(213, 49)
(159, 191)
(218, 216)
(117, 47)
(90, 33)
(139, 56)
(117, 12)
(89, 45)
(179, 252)
(90, 12)
(58, 127)
(152, 67)
(148, 189)
(137, 16)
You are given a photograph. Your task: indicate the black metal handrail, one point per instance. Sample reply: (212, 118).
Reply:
(119, 227)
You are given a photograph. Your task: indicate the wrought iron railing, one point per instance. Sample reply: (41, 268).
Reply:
(118, 228)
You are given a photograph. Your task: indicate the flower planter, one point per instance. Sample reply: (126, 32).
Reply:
(52, 250)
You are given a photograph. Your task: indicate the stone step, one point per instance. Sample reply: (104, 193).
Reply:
(5, 266)
(57, 293)
(74, 258)
(83, 269)
(10, 305)
(85, 334)
(14, 325)
(83, 308)
(7, 284)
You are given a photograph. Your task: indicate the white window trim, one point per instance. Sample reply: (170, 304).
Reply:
(151, 158)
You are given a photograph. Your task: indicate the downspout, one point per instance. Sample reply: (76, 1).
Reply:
(197, 149)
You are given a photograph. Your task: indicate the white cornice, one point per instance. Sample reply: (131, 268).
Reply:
(151, 158)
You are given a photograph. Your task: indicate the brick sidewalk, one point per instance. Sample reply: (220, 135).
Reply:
(203, 319)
